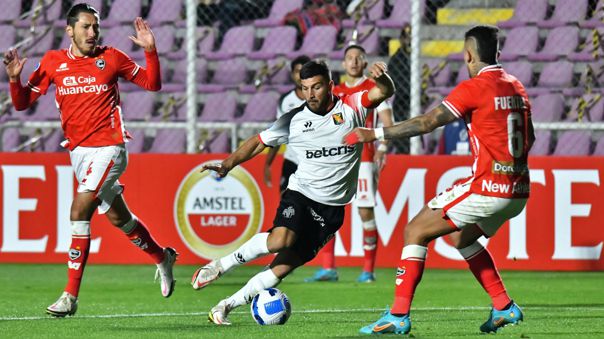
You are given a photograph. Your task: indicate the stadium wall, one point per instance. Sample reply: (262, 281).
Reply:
(561, 228)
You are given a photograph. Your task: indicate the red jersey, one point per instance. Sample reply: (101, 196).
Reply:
(87, 93)
(365, 84)
(497, 113)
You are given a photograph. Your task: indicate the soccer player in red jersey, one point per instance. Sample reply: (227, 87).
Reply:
(495, 108)
(85, 76)
(372, 162)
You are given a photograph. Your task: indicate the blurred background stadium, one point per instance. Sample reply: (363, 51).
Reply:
(225, 64)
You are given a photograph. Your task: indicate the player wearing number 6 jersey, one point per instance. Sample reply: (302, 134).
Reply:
(496, 111)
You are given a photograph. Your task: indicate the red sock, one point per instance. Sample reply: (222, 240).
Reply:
(141, 237)
(78, 254)
(329, 256)
(408, 275)
(483, 267)
(370, 248)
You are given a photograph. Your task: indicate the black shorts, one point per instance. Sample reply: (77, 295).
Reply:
(314, 223)
(289, 167)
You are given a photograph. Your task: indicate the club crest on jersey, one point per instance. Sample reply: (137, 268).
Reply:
(338, 118)
(100, 63)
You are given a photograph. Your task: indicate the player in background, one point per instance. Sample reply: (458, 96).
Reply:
(495, 108)
(289, 101)
(312, 208)
(85, 76)
(372, 162)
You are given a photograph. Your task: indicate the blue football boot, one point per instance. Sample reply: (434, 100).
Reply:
(388, 323)
(498, 319)
(366, 277)
(323, 275)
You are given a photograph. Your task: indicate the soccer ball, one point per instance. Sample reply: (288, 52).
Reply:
(271, 307)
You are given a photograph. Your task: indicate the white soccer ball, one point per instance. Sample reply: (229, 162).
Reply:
(271, 307)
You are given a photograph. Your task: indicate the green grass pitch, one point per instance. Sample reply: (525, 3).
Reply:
(124, 302)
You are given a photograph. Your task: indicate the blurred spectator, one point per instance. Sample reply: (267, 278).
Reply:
(454, 139)
(230, 13)
(400, 71)
(315, 13)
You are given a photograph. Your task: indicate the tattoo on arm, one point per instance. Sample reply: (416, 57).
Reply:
(422, 124)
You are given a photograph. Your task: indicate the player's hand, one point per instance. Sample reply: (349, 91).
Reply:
(359, 135)
(380, 160)
(217, 167)
(13, 64)
(144, 36)
(377, 69)
(268, 177)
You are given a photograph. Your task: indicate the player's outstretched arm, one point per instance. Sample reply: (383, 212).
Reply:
(144, 36)
(22, 97)
(422, 124)
(270, 157)
(250, 148)
(384, 86)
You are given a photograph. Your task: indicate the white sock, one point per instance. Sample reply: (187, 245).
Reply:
(254, 248)
(471, 251)
(259, 282)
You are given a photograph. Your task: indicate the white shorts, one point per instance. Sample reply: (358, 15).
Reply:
(367, 185)
(462, 207)
(98, 169)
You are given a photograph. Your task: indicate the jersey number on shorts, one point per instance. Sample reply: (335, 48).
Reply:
(515, 135)
(363, 186)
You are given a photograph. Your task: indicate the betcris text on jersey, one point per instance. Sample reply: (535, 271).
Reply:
(330, 152)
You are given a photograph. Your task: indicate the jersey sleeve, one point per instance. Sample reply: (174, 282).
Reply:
(359, 103)
(126, 68)
(41, 78)
(461, 100)
(384, 105)
(277, 133)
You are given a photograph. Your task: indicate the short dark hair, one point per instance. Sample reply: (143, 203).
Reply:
(487, 42)
(353, 45)
(73, 15)
(301, 60)
(314, 68)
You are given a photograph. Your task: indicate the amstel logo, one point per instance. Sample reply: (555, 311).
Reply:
(215, 216)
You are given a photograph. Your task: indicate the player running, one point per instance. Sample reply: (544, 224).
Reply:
(372, 162)
(495, 108)
(312, 208)
(85, 76)
(287, 102)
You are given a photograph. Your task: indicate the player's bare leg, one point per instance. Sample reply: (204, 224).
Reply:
(164, 258)
(82, 208)
(370, 242)
(482, 265)
(258, 246)
(283, 264)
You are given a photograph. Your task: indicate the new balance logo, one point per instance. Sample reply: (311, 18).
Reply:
(73, 265)
(63, 67)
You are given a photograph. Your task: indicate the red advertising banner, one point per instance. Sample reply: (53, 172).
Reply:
(204, 218)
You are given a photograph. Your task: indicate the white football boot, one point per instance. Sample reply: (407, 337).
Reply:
(218, 314)
(206, 274)
(165, 272)
(67, 304)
